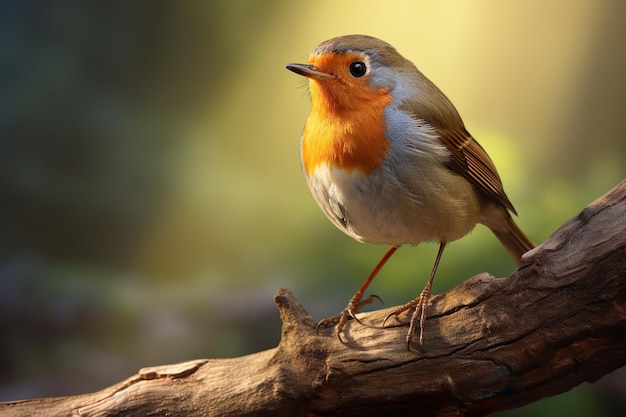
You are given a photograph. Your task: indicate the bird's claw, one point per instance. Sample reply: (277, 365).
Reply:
(349, 313)
(418, 317)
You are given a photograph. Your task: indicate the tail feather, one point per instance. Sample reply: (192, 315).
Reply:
(514, 240)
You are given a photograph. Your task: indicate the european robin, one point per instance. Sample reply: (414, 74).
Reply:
(389, 161)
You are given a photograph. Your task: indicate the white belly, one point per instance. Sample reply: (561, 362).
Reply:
(426, 202)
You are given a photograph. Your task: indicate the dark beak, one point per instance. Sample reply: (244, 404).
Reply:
(308, 71)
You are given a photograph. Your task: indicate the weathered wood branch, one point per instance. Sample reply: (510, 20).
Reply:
(490, 344)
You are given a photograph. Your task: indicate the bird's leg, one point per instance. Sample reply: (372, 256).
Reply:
(419, 304)
(357, 301)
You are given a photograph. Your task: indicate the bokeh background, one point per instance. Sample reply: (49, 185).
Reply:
(151, 198)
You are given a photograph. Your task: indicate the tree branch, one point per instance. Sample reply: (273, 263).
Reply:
(490, 344)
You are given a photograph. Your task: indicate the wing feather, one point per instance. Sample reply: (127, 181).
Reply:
(468, 158)
(471, 161)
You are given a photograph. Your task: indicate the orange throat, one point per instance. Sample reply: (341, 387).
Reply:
(346, 129)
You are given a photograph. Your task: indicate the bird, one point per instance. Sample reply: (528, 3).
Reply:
(388, 159)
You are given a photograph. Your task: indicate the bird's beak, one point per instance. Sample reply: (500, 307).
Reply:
(308, 71)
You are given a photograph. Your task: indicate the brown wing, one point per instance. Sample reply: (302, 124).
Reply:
(471, 161)
(468, 159)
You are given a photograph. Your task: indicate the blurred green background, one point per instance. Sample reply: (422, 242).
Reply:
(151, 194)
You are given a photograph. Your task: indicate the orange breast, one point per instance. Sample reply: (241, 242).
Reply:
(346, 127)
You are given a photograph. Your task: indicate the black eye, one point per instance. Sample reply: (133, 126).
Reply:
(358, 69)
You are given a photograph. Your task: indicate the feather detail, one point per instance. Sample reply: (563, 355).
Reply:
(471, 161)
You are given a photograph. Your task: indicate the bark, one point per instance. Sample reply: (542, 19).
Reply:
(490, 344)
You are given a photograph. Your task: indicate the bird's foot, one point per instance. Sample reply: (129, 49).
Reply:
(348, 313)
(418, 316)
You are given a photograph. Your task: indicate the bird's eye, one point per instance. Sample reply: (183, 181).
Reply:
(358, 69)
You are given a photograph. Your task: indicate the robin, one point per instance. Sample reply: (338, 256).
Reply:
(389, 161)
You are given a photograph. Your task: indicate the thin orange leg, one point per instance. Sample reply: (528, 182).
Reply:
(357, 301)
(420, 303)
